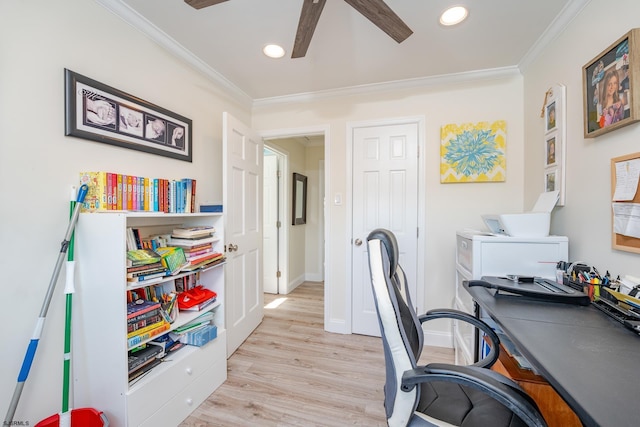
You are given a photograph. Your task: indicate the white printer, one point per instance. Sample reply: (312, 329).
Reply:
(535, 223)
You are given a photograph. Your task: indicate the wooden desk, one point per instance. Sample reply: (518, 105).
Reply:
(588, 358)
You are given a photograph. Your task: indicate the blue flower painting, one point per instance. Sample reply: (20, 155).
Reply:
(473, 152)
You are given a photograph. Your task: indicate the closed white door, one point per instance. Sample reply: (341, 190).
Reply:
(385, 195)
(242, 195)
(270, 223)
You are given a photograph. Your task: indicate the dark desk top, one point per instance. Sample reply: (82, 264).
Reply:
(591, 360)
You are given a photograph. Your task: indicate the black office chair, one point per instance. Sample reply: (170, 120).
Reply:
(436, 394)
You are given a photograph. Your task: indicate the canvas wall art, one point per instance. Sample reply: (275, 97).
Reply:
(473, 152)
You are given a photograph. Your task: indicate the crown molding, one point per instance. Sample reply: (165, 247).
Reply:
(137, 21)
(422, 82)
(566, 15)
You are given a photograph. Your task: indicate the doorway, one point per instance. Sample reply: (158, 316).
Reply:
(293, 253)
(275, 248)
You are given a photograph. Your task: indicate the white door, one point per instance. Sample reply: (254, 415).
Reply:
(242, 167)
(270, 222)
(385, 195)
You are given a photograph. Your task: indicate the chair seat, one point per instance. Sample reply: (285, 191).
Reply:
(464, 406)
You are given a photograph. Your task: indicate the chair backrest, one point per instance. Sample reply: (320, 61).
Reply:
(401, 331)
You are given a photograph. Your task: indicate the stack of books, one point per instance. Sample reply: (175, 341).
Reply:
(197, 244)
(144, 264)
(144, 358)
(113, 191)
(145, 319)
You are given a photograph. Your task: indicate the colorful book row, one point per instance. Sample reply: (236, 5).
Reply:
(117, 192)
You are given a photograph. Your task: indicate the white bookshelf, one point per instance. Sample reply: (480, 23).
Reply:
(168, 393)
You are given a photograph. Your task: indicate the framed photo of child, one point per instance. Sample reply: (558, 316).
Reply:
(610, 90)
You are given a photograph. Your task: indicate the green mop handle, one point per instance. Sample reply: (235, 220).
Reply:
(69, 290)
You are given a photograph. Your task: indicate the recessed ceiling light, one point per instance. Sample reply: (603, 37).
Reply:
(453, 15)
(273, 51)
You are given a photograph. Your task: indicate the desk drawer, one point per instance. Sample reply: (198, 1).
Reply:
(464, 252)
(463, 297)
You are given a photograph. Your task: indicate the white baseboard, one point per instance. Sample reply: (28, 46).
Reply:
(294, 284)
(313, 277)
(438, 339)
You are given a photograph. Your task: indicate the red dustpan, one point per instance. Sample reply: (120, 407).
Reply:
(80, 417)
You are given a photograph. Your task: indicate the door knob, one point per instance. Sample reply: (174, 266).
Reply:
(232, 247)
(358, 242)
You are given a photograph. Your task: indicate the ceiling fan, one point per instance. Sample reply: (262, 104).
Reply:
(376, 11)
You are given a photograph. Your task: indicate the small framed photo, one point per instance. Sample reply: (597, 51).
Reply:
(550, 116)
(105, 114)
(552, 151)
(610, 88)
(551, 180)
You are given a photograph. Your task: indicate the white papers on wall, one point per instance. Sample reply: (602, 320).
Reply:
(626, 219)
(627, 174)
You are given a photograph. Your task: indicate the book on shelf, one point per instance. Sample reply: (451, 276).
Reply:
(191, 232)
(192, 250)
(147, 277)
(147, 328)
(147, 271)
(147, 316)
(184, 242)
(97, 192)
(173, 258)
(144, 267)
(138, 325)
(137, 339)
(138, 358)
(198, 322)
(138, 257)
(146, 367)
(204, 264)
(139, 307)
(208, 256)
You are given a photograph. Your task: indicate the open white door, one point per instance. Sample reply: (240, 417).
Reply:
(242, 195)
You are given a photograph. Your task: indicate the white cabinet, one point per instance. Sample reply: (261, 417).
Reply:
(478, 254)
(170, 391)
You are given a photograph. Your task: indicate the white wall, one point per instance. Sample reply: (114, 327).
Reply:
(314, 268)
(38, 164)
(449, 207)
(586, 217)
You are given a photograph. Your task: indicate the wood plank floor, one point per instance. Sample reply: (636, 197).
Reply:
(290, 372)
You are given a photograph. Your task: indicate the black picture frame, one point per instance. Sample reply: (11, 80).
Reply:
(299, 200)
(621, 61)
(105, 114)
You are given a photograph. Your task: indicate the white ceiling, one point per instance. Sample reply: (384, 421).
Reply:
(347, 50)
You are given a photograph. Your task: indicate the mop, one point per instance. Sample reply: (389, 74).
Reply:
(86, 417)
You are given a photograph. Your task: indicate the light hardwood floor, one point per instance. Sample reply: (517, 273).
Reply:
(290, 372)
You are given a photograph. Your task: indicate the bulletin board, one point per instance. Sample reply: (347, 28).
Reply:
(625, 207)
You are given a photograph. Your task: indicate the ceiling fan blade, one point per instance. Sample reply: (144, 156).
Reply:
(199, 4)
(383, 17)
(309, 16)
